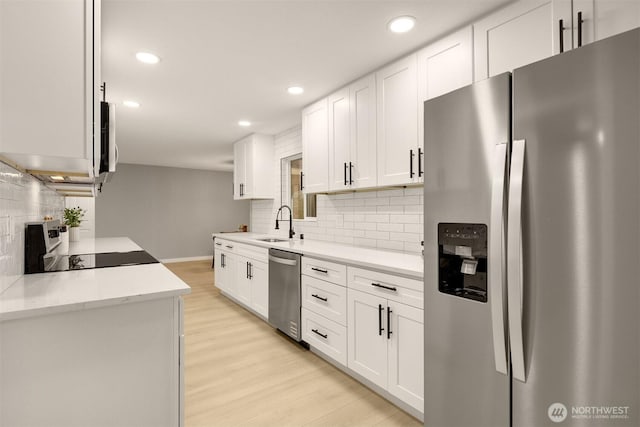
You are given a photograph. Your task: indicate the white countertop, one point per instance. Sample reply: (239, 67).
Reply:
(54, 292)
(393, 262)
(102, 245)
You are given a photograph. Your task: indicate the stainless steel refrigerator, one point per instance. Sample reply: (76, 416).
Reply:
(532, 244)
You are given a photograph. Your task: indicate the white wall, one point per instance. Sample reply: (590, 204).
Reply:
(386, 219)
(22, 199)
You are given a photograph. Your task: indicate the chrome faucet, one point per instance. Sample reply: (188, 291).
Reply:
(291, 232)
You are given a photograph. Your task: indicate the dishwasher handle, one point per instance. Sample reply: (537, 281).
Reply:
(283, 260)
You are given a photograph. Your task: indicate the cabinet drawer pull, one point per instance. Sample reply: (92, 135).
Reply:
(345, 174)
(580, 22)
(420, 154)
(380, 328)
(229, 246)
(378, 285)
(319, 297)
(218, 244)
(319, 270)
(411, 172)
(350, 173)
(389, 311)
(318, 333)
(561, 31)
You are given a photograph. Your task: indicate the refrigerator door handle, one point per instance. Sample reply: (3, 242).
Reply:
(496, 259)
(515, 262)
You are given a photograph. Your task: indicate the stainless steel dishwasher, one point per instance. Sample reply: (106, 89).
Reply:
(284, 292)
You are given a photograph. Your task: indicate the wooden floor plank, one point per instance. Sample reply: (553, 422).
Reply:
(239, 371)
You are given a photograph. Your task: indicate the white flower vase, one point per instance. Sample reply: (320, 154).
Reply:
(74, 234)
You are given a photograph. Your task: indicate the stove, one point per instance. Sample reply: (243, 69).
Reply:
(42, 239)
(100, 260)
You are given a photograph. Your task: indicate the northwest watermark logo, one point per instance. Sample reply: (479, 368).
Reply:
(557, 412)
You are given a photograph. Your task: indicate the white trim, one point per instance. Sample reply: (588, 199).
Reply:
(193, 258)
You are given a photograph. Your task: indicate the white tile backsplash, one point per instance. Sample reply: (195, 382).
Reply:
(386, 219)
(22, 199)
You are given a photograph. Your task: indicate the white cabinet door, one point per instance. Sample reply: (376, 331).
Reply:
(225, 273)
(259, 280)
(242, 282)
(406, 354)
(519, 34)
(315, 148)
(362, 106)
(339, 139)
(445, 65)
(253, 171)
(367, 338)
(50, 83)
(397, 114)
(239, 162)
(218, 269)
(611, 16)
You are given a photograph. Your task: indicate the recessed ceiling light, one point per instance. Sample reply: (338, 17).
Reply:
(401, 24)
(131, 104)
(147, 58)
(295, 90)
(244, 123)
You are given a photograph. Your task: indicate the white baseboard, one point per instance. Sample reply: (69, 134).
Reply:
(192, 258)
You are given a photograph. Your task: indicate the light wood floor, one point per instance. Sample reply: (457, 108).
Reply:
(241, 372)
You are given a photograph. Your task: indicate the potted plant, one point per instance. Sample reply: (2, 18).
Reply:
(73, 218)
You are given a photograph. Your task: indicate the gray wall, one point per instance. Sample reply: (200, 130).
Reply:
(170, 212)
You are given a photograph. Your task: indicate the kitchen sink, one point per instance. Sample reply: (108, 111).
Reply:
(272, 240)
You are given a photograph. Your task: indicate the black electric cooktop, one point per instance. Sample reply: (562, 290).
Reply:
(102, 260)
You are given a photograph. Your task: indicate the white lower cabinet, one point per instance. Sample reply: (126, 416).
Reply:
(367, 339)
(225, 263)
(242, 272)
(385, 339)
(406, 354)
(324, 307)
(325, 335)
(118, 365)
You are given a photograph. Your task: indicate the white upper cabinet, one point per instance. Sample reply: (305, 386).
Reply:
(610, 17)
(397, 118)
(339, 137)
(528, 31)
(50, 84)
(352, 135)
(253, 171)
(362, 105)
(521, 33)
(446, 65)
(443, 66)
(315, 148)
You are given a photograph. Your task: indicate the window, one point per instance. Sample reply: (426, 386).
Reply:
(303, 206)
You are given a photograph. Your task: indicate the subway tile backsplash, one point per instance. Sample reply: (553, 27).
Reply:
(22, 199)
(386, 219)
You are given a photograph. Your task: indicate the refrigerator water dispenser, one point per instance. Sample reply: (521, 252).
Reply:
(462, 254)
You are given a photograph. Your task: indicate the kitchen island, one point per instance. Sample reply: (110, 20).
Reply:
(99, 347)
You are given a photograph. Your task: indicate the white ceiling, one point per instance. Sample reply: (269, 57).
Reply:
(223, 61)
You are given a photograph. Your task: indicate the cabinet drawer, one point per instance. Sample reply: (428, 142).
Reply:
(394, 288)
(325, 270)
(254, 252)
(224, 245)
(324, 298)
(325, 336)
